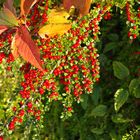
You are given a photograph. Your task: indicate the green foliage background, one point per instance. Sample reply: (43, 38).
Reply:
(112, 111)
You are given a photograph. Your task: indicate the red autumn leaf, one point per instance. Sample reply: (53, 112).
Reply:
(9, 5)
(27, 48)
(83, 5)
(2, 29)
(26, 5)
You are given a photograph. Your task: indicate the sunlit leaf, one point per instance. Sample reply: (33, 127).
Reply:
(8, 18)
(121, 97)
(27, 48)
(9, 5)
(53, 29)
(26, 5)
(83, 6)
(14, 48)
(58, 23)
(2, 29)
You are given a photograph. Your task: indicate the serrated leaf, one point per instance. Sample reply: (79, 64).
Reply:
(57, 23)
(120, 98)
(83, 6)
(99, 110)
(120, 70)
(134, 87)
(26, 47)
(9, 5)
(7, 18)
(26, 5)
(2, 29)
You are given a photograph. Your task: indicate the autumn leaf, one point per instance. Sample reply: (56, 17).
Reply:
(14, 48)
(9, 5)
(7, 18)
(53, 29)
(83, 6)
(2, 29)
(26, 5)
(26, 47)
(57, 23)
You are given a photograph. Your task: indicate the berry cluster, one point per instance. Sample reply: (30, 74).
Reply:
(71, 65)
(133, 21)
(38, 15)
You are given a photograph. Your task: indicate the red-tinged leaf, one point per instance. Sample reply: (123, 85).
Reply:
(7, 18)
(14, 49)
(2, 29)
(27, 48)
(26, 5)
(83, 5)
(9, 5)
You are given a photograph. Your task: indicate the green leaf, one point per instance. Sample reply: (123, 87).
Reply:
(97, 131)
(84, 103)
(120, 3)
(99, 110)
(121, 97)
(96, 94)
(134, 87)
(8, 18)
(118, 118)
(1, 113)
(120, 70)
(110, 46)
(113, 37)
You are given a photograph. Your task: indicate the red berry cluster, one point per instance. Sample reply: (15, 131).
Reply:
(107, 16)
(38, 15)
(2, 56)
(133, 21)
(72, 68)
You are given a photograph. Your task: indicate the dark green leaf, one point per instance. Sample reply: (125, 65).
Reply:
(134, 87)
(97, 131)
(99, 110)
(113, 37)
(84, 103)
(120, 70)
(110, 46)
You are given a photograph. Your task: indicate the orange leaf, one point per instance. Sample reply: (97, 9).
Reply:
(83, 5)
(26, 5)
(9, 5)
(2, 29)
(14, 48)
(27, 48)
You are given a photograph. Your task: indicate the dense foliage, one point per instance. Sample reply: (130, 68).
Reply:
(60, 95)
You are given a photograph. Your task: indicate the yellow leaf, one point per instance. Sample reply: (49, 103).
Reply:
(53, 29)
(58, 23)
